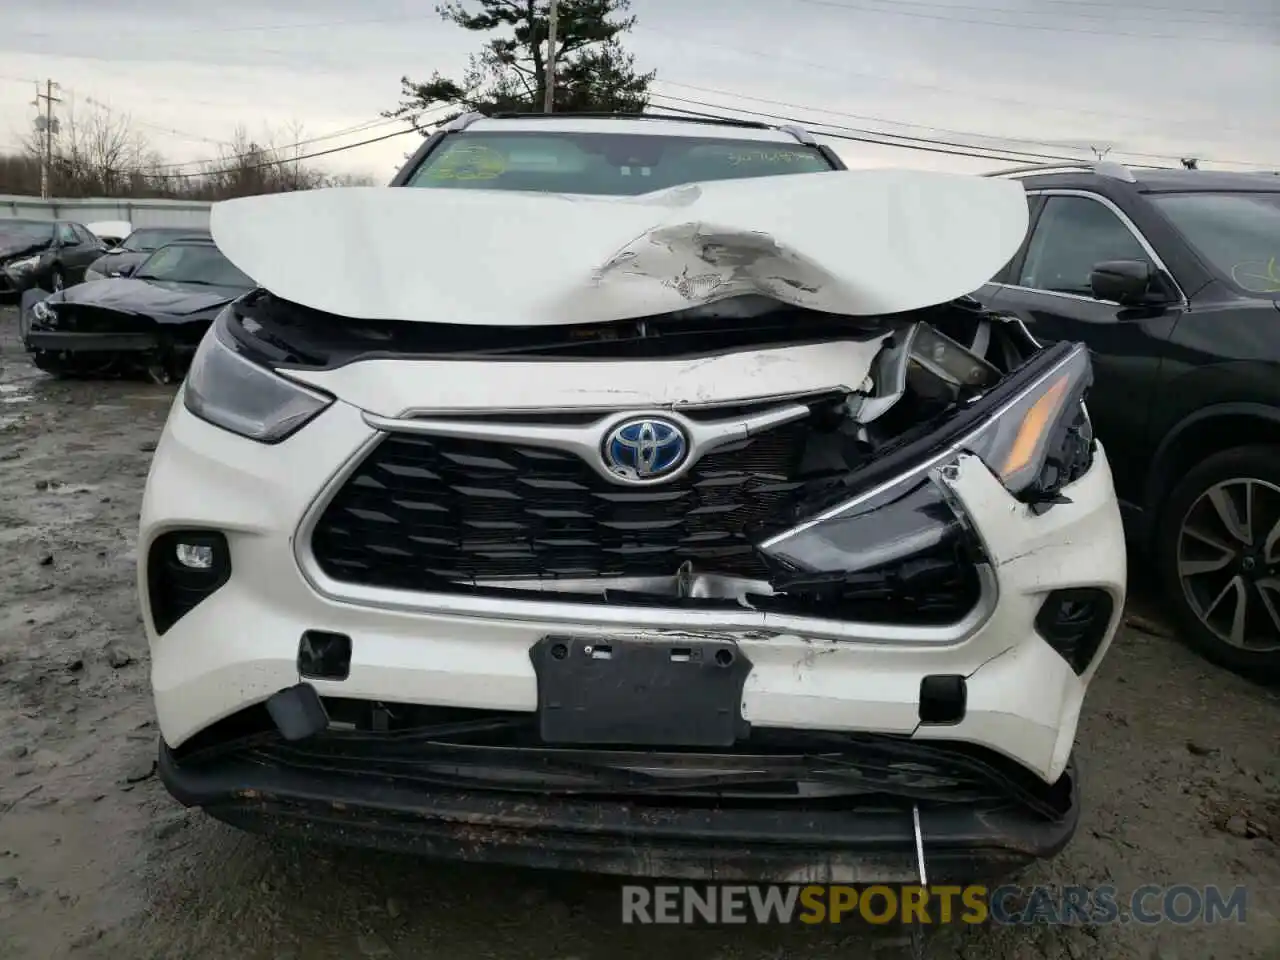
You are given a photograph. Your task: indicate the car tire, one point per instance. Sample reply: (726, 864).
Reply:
(1211, 554)
(52, 366)
(57, 279)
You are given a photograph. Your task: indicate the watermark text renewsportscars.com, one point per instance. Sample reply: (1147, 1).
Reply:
(938, 904)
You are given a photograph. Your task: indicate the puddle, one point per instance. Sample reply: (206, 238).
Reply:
(15, 393)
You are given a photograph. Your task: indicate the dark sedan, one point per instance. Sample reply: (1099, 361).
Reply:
(128, 256)
(44, 254)
(150, 322)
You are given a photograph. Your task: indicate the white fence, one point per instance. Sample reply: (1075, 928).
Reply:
(140, 213)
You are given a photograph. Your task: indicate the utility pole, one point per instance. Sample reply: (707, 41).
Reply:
(553, 21)
(48, 125)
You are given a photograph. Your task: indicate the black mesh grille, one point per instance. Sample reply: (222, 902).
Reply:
(424, 509)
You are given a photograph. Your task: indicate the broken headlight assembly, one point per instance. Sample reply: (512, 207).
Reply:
(230, 391)
(25, 265)
(1041, 440)
(905, 541)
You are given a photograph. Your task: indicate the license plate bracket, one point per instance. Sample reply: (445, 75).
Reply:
(673, 692)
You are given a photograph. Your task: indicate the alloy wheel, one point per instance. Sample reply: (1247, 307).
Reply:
(58, 282)
(1229, 562)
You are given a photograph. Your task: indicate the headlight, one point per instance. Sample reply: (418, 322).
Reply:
(42, 311)
(1036, 443)
(92, 275)
(25, 264)
(236, 394)
(911, 518)
(1042, 440)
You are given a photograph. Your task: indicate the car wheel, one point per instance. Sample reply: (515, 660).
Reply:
(59, 281)
(1218, 551)
(52, 366)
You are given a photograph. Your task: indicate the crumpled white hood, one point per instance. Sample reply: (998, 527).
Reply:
(850, 242)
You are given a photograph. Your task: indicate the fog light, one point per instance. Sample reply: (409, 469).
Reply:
(1074, 622)
(197, 556)
(184, 567)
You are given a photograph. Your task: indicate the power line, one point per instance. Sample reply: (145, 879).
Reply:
(280, 161)
(1111, 16)
(201, 29)
(921, 126)
(1027, 26)
(1157, 8)
(921, 146)
(346, 131)
(870, 135)
(129, 118)
(774, 56)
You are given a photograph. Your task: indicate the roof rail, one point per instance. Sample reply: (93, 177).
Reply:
(463, 121)
(800, 133)
(604, 115)
(1103, 168)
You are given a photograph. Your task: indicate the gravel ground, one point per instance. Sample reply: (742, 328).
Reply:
(1181, 764)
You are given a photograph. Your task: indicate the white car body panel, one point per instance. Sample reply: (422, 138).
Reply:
(852, 243)
(858, 243)
(394, 388)
(240, 645)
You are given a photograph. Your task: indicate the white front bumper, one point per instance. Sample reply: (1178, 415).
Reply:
(240, 645)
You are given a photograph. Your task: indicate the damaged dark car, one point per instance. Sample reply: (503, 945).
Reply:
(149, 323)
(43, 255)
(124, 258)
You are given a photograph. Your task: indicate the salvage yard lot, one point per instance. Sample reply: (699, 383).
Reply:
(1181, 767)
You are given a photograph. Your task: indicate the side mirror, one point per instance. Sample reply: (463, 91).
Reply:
(1127, 282)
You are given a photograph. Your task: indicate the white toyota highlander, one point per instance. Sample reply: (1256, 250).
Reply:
(634, 495)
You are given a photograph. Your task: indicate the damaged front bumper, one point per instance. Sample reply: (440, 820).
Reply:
(60, 341)
(841, 813)
(808, 669)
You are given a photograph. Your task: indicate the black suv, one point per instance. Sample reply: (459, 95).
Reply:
(1172, 277)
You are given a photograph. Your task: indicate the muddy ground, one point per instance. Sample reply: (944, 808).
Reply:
(96, 861)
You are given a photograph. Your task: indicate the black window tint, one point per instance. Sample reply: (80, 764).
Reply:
(85, 235)
(1238, 233)
(67, 233)
(1073, 235)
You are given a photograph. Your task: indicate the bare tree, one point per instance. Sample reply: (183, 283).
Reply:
(94, 151)
(98, 152)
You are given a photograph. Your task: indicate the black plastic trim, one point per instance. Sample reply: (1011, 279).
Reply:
(623, 837)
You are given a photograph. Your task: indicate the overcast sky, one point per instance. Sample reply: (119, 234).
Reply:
(1147, 77)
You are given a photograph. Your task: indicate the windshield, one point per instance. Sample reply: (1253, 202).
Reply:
(147, 240)
(18, 232)
(1237, 233)
(604, 163)
(192, 263)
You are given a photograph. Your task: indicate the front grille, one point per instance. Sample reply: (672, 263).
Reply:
(424, 510)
